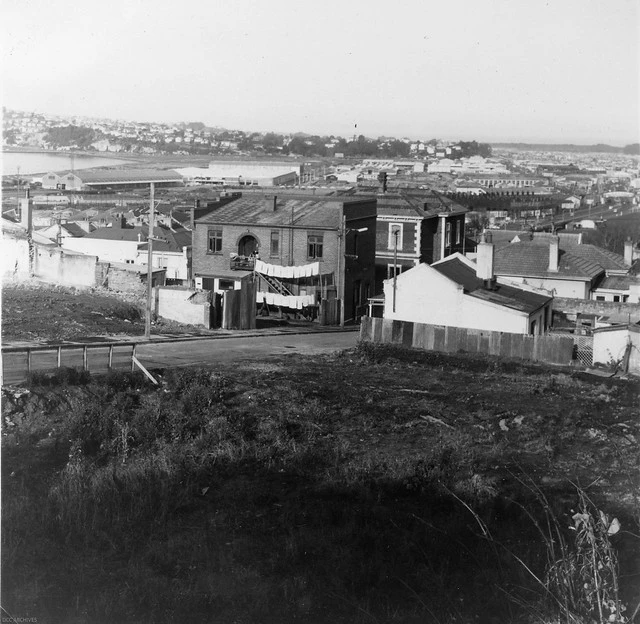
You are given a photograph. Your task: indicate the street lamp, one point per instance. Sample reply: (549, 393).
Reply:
(396, 232)
(341, 264)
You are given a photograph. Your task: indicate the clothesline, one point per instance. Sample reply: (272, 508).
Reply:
(288, 272)
(296, 302)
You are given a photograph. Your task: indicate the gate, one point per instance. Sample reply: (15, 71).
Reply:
(583, 349)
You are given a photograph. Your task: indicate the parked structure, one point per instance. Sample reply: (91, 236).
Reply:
(290, 232)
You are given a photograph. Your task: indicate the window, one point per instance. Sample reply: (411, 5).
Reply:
(447, 234)
(274, 250)
(314, 246)
(215, 241)
(395, 232)
(393, 270)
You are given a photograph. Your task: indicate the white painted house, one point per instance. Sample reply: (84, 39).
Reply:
(460, 293)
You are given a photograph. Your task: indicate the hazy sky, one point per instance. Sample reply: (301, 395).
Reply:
(490, 70)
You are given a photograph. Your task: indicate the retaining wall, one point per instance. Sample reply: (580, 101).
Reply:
(539, 348)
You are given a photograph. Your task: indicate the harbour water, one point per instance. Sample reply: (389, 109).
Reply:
(32, 163)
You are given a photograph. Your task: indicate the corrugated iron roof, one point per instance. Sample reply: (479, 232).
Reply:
(300, 212)
(529, 259)
(500, 294)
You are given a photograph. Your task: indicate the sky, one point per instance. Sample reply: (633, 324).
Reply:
(560, 71)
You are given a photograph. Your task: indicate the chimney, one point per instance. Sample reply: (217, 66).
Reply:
(484, 260)
(272, 203)
(26, 212)
(628, 252)
(554, 254)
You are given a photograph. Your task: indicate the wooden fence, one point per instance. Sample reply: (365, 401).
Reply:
(548, 348)
(100, 358)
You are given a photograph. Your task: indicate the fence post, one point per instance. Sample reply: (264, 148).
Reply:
(133, 358)
(84, 357)
(28, 361)
(59, 357)
(110, 357)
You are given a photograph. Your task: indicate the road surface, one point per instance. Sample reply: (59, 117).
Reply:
(228, 350)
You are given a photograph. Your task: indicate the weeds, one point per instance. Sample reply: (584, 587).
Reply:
(62, 376)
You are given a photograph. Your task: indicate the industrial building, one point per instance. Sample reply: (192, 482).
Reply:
(110, 179)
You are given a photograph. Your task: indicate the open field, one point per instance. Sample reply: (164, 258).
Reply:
(377, 485)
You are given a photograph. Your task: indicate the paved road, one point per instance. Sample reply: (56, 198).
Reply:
(228, 350)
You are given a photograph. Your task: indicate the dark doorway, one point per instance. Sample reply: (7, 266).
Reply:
(247, 246)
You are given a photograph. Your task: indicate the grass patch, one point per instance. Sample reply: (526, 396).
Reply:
(381, 485)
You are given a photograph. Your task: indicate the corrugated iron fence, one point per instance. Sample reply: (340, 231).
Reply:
(19, 362)
(552, 349)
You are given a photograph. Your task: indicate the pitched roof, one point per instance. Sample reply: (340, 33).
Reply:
(508, 296)
(172, 238)
(124, 176)
(425, 206)
(301, 212)
(530, 259)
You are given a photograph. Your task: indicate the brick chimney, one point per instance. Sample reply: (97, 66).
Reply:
(484, 260)
(628, 252)
(554, 254)
(272, 203)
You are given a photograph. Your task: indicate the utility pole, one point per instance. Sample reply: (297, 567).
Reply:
(396, 231)
(147, 326)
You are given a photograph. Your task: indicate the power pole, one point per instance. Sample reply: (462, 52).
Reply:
(147, 326)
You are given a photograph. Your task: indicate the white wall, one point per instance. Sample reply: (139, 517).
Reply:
(609, 346)
(176, 264)
(423, 295)
(106, 250)
(571, 289)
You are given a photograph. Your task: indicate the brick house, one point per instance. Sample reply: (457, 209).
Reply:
(291, 231)
(416, 229)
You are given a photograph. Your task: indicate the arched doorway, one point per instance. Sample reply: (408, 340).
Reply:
(247, 245)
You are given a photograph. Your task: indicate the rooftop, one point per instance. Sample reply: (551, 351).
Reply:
(290, 211)
(508, 296)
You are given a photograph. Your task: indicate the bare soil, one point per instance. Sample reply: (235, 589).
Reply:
(36, 311)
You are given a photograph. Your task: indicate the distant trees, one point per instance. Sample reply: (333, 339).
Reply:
(633, 149)
(77, 136)
(473, 148)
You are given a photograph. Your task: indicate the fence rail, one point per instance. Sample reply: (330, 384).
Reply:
(99, 358)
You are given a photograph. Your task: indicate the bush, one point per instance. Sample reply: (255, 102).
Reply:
(62, 376)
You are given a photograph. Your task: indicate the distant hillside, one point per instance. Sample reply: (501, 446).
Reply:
(570, 147)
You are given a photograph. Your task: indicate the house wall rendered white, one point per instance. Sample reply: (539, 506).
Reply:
(106, 250)
(175, 263)
(423, 295)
